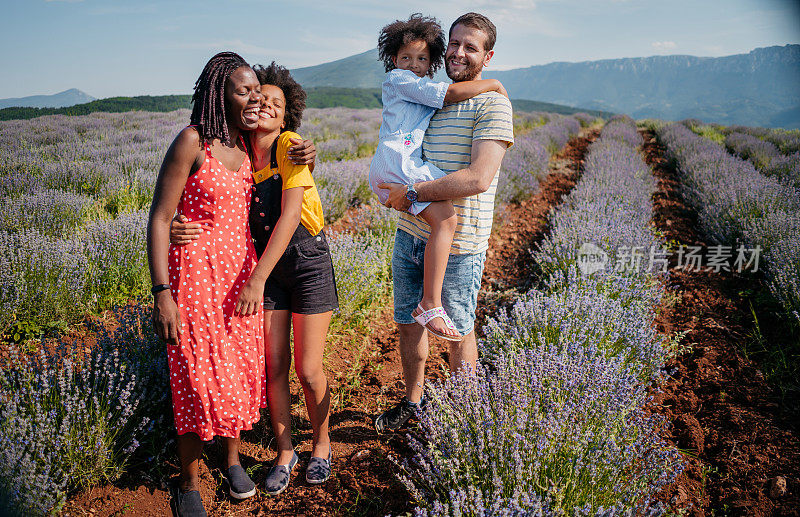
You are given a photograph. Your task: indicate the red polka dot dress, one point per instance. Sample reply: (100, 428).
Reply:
(217, 372)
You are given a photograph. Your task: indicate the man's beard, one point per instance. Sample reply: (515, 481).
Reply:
(467, 74)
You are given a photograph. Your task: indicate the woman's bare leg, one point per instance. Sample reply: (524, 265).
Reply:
(231, 446)
(278, 356)
(190, 448)
(310, 331)
(441, 217)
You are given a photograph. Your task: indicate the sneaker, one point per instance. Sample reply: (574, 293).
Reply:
(241, 486)
(188, 504)
(395, 418)
(318, 470)
(278, 477)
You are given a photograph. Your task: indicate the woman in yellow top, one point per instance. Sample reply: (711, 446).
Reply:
(293, 278)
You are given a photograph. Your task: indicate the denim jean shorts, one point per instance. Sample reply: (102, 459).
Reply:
(462, 280)
(303, 281)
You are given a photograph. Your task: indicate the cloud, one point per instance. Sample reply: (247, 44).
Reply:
(663, 46)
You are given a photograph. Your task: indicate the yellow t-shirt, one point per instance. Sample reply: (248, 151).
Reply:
(297, 176)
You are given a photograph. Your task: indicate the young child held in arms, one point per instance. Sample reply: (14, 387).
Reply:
(412, 51)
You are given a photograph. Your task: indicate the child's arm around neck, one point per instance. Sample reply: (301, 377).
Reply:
(464, 90)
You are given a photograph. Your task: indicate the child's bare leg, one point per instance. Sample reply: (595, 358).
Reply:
(441, 217)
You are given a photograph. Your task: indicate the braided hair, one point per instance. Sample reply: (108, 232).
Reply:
(208, 110)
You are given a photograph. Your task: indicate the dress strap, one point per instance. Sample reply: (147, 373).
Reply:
(246, 150)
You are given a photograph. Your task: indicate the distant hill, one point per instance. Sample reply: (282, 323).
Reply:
(327, 97)
(318, 97)
(110, 105)
(58, 100)
(760, 88)
(753, 89)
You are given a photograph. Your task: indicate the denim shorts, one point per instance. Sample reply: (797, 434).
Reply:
(303, 281)
(462, 280)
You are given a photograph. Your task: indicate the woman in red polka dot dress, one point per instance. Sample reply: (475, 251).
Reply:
(216, 357)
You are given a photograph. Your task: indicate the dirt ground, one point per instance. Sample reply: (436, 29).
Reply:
(365, 377)
(742, 453)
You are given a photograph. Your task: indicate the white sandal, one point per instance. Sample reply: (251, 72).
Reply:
(425, 317)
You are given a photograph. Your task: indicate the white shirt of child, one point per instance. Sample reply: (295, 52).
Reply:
(409, 102)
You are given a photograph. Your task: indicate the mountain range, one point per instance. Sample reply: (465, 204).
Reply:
(760, 88)
(69, 97)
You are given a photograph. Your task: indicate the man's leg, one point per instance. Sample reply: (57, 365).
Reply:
(407, 272)
(413, 354)
(462, 281)
(464, 351)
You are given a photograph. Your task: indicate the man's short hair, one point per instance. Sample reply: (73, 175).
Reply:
(480, 22)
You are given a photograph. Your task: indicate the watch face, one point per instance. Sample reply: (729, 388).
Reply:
(411, 194)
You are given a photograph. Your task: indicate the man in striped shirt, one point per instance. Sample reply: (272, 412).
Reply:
(467, 140)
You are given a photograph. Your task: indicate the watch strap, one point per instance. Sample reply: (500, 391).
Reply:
(158, 288)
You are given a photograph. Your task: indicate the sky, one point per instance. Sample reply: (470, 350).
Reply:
(141, 47)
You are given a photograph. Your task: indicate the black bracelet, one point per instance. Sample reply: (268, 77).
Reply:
(158, 288)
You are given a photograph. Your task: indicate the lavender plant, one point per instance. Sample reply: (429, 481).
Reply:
(42, 277)
(54, 213)
(524, 166)
(622, 128)
(363, 275)
(526, 163)
(759, 152)
(343, 185)
(73, 417)
(788, 141)
(610, 209)
(785, 169)
(546, 431)
(612, 315)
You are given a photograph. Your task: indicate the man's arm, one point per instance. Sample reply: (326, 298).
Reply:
(475, 179)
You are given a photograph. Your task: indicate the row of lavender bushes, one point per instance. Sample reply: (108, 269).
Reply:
(526, 163)
(554, 422)
(766, 157)
(774, 152)
(786, 141)
(738, 205)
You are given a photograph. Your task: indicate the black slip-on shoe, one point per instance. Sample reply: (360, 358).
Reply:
(278, 477)
(240, 484)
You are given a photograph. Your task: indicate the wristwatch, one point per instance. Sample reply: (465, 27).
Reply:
(411, 193)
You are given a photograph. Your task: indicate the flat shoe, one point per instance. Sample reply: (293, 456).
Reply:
(318, 470)
(241, 486)
(278, 476)
(188, 504)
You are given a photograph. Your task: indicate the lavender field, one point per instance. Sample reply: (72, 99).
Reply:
(556, 422)
(75, 193)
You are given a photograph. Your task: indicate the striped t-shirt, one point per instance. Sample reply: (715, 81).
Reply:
(448, 145)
